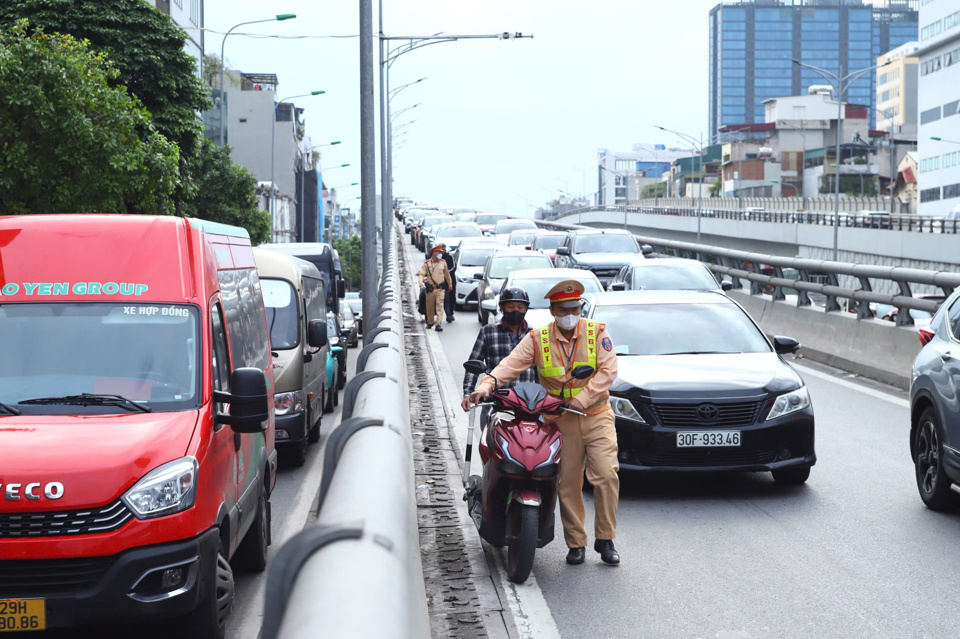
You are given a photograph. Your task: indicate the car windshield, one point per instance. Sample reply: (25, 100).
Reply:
(670, 329)
(332, 328)
(283, 313)
(673, 276)
(355, 305)
(489, 218)
(501, 267)
(549, 242)
(430, 222)
(347, 314)
(460, 231)
(145, 352)
(521, 237)
(605, 243)
(536, 288)
(505, 227)
(475, 256)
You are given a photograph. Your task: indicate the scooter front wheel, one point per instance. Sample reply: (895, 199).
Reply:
(522, 541)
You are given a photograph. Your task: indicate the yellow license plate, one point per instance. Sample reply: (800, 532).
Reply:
(22, 614)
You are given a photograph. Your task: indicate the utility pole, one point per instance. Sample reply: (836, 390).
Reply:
(368, 171)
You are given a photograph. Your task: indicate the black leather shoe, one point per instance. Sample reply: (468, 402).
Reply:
(576, 555)
(439, 328)
(608, 554)
(450, 319)
(429, 326)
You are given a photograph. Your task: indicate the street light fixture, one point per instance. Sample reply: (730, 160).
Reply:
(273, 137)
(840, 85)
(939, 139)
(394, 115)
(404, 86)
(699, 149)
(278, 18)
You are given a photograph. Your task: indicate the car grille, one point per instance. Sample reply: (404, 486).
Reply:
(64, 523)
(602, 273)
(712, 457)
(20, 578)
(687, 415)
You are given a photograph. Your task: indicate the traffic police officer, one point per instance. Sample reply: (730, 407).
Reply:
(556, 349)
(434, 278)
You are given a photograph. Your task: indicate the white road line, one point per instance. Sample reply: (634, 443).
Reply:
(852, 385)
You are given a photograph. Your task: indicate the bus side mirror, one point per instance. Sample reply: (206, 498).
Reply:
(249, 408)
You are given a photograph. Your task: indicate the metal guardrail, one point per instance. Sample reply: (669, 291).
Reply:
(819, 277)
(885, 221)
(357, 572)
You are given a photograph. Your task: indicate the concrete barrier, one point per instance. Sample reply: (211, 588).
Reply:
(871, 348)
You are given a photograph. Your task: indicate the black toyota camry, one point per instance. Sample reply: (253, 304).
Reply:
(701, 388)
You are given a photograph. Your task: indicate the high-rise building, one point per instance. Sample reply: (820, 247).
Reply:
(938, 102)
(897, 90)
(753, 43)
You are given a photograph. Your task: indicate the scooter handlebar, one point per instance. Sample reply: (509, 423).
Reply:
(570, 410)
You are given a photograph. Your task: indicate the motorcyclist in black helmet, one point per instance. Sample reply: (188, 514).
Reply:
(495, 341)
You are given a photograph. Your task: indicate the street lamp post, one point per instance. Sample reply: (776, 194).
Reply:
(273, 136)
(840, 85)
(278, 18)
(387, 58)
(699, 149)
(783, 184)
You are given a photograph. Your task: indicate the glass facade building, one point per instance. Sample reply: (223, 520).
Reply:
(752, 43)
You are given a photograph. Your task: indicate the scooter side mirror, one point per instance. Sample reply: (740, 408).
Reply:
(582, 372)
(475, 366)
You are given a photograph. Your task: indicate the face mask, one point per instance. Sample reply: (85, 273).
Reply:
(514, 318)
(568, 322)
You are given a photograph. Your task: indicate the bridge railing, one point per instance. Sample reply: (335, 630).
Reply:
(765, 274)
(873, 220)
(357, 573)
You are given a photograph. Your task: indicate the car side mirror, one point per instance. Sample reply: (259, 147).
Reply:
(341, 289)
(582, 372)
(617, 286)
(249, 408)
(726, 285)
(478, 276)
(317, 333)
(646, 249)
(563, 250)
(475, 366)
(784, 345)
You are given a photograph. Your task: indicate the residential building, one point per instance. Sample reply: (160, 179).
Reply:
(753, 42)
(897, 90)
(622, 175)
(695, 175)
(938, 102)
(188, 15)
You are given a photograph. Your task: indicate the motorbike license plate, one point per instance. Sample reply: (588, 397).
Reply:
(700, 439)
(22, 614)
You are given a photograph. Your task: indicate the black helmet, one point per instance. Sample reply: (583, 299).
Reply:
(514, 294)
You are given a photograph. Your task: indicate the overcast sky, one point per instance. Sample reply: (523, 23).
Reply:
(502, 125)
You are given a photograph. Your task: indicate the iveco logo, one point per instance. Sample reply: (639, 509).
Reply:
(707, 412)
(16, 492)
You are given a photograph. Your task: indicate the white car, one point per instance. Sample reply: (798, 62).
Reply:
(536, 282)
(470, 255)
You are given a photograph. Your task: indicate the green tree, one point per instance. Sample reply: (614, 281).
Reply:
(146, 49)
(71, 142)
(350, 261)
(226, 193)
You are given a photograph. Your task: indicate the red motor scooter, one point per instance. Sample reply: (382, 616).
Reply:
(513, 503)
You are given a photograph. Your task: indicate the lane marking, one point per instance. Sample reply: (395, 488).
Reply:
(852, 385)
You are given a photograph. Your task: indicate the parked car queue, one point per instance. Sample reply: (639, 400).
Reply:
(158, 370)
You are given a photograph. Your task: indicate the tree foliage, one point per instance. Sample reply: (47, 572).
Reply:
(350, 261)
(71, 142)
(146, 49)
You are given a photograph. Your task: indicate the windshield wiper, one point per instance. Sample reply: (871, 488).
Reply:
(91, 399)
(10, 409)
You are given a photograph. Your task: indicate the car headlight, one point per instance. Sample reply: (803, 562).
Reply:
(286, 403)
(465, 280)
(167, 489)
(624, 408)
(488, 294)
(789, 403)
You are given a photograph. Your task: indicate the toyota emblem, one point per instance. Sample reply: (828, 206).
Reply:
(707, 412)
